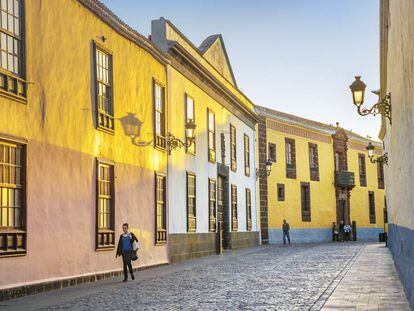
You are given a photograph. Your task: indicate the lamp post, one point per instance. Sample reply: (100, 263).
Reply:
(262, 173)
(383, 106)
(382, 159)
(174, 142)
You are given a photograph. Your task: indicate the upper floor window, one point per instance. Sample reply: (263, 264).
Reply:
(159, 115)
(104, 90)
(105, 206)
(233, 148)
(362, 170)
(313, 162)
(248, 210)
(339, 161)
(246, 155)
(191, 203)
(11, 48)
(161, 209)
(272, 152)
(290, 158)
(211, 124)
(190, 116)
(11, 36)
(380, 172)
(12, 199)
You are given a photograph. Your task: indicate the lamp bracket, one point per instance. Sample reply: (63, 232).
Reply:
(382, 159)
(174, 142)
(261, 173)
(383, 107)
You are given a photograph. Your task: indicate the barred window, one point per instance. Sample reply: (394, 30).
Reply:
(246, 155)
(191, 203)
(234, 222)
(12, 199)
(211, 123)
(248, 210)
(104, 91)
(190, 116)
(159, 116)
(233, 148)
(212, 204)
(106, 205)
(160, 201)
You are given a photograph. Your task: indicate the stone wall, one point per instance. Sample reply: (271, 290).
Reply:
(195, 245)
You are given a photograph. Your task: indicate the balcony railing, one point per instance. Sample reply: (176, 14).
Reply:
(344, 179)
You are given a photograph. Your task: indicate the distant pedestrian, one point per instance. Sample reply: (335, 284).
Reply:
(341, 231)
(126, 250)
(335, 232)
(285, 228)
(347, 231)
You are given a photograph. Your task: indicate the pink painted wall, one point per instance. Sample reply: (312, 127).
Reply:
(61, 217)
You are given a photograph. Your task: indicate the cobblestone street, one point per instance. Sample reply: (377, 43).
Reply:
(297, 277)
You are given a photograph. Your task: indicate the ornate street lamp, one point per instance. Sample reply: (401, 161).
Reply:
(174, 142)
(383, 106)
(382, 159)
(262, 173)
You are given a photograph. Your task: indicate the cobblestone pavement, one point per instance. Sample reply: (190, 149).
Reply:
(372, 283)
(297, 277)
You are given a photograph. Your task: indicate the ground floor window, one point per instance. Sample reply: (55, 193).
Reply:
(191, 202)
(234, 223)
(105, 235)
(212, 204)
(371, 199)
(160, 202)
(12, 199)
(248, 210)
(305, 201)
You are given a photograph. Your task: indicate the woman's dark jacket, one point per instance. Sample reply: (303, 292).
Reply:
(119, 249)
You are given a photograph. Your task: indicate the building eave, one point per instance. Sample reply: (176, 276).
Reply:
(109, 18)
(310, 124)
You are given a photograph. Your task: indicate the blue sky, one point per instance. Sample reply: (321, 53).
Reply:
(296, 56)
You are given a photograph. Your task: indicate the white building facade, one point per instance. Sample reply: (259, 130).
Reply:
(212, 183)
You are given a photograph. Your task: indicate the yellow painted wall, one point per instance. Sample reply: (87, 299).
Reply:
(359, 195)
(322, 192)
(62, 144)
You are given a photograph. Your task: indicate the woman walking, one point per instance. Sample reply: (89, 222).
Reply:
(125, 250)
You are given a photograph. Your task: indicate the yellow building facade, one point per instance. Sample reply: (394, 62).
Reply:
(77, 145)
(320, 174)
